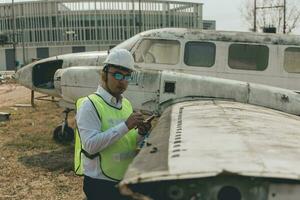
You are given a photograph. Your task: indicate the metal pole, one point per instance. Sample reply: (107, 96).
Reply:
(23, 39)
(284, 16)
(140, 17)
(23, 47)
(254, 16)
(14, 34)
(32, 98)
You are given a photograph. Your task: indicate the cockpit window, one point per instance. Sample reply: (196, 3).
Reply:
(292, 60)
(158, 51)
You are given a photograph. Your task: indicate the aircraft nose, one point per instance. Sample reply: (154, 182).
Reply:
(24, 76)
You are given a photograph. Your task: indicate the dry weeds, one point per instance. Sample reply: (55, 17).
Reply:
(32, 165)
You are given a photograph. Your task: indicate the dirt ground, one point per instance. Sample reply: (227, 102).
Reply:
(32, 165)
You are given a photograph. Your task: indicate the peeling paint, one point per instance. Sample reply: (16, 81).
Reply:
(227, 36)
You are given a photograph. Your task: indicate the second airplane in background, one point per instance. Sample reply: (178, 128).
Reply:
(271, 59)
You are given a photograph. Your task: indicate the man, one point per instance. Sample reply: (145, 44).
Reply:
(107, 130)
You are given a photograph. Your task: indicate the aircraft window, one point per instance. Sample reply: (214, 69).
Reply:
(200, 54)
(158, 51)
(248, 57)
(292, 60)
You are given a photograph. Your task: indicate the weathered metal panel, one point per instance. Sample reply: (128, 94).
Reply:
(187, 85)
(78, 81)
(276, 98)
(191, 86)
(212, 137)
(155, 155)
(284, 191)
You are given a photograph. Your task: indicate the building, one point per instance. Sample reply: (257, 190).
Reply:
(51, 27)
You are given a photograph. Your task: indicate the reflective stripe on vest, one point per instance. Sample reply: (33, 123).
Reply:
(115, 158)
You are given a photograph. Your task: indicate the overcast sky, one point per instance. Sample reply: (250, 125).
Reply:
(227, 14)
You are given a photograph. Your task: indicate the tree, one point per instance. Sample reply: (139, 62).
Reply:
(273, 16)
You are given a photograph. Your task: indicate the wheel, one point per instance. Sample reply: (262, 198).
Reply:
(63, 136)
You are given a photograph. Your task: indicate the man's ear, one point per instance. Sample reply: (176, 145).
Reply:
(103, 76)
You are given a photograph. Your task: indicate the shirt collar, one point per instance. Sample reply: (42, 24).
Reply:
(108, 98)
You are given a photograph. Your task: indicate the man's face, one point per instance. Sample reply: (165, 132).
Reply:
(117, 87)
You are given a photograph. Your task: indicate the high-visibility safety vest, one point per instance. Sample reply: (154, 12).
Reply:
(115, 158)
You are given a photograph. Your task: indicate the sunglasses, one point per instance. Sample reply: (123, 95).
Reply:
(119, 76)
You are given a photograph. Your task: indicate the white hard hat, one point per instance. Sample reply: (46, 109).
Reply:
(120, 57)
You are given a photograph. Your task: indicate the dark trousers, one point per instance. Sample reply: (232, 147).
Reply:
(96, 189)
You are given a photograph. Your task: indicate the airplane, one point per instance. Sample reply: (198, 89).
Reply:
(215, 139)
(269, 59)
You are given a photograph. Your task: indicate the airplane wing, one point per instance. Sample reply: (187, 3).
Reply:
(218, 148)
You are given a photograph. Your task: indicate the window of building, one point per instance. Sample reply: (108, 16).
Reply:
(292, 60)
(248, 57)
(158, 51)
(200, 54)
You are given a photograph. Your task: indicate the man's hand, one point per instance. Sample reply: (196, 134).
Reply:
(134, 120)
(144, 128)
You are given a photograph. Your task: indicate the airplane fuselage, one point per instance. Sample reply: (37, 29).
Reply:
(270, 59)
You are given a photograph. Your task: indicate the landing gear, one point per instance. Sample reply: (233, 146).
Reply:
(63, 133)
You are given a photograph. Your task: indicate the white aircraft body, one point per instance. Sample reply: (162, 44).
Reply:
(270, 59)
